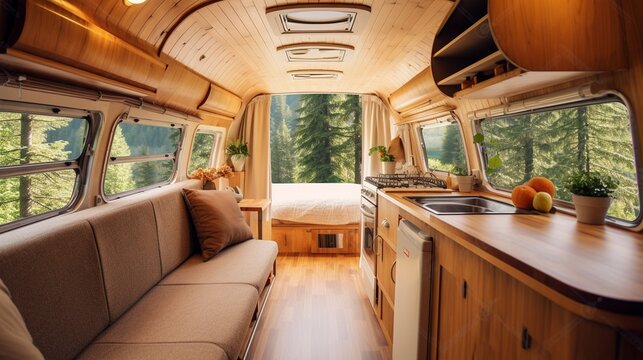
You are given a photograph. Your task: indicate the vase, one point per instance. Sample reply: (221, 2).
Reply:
(388, 167)
(238, 160)
(222, 183)
(465, 183)
(591, 209)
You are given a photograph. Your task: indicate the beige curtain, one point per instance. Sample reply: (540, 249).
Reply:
(255, 130)
(376, 130)
(403, 131)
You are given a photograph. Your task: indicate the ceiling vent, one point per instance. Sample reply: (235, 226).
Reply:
(316, 52)
(318, 18)
(315, 74)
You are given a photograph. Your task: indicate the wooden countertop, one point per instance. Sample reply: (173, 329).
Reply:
(597, 266)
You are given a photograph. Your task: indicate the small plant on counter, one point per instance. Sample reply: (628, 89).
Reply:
(384, 155)
(591, 193)
(591, 183)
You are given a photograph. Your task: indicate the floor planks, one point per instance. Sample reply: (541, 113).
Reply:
(317, 310)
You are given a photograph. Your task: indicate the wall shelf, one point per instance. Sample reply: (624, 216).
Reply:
(483, 64)
(469, 41)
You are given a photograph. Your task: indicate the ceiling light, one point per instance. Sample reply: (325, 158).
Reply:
(133, 2)
(318, 18)
(315, 74)
(316, 52)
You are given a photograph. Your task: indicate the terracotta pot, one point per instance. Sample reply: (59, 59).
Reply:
(590, 209)
(465, 183)
(388, 167)
(238, 161)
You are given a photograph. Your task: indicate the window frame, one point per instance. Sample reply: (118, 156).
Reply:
(80, 165)
(451, 119)
(218, 132)
(126, 118)
(568, 206)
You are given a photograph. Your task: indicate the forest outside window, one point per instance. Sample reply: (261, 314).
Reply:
(586, 136)
(143, 154)
(203, 149)
(442, 146)
(316, 138)
(43, 157)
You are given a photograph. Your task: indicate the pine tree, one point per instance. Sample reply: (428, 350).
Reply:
(283, 160)
(316, 138)
(351, 112)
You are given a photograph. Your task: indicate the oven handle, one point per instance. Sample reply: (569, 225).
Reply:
(367, 214)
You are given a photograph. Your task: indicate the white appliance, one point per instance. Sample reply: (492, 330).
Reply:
(368, 259)
(412, 293)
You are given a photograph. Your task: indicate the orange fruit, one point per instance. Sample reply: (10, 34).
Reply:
(523, 196)
(540, 183)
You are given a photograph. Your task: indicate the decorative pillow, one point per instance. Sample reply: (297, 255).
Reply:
(15, 340)
(217, 219)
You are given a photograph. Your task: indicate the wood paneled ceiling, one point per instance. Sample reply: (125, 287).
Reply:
(231, 42)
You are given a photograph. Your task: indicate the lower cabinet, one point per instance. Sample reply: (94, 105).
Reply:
(291, 240)
(386, 316)
(483, 313)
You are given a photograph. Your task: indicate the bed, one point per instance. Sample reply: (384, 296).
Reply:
(316, 218)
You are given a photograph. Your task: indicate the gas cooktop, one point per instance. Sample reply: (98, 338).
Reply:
(405, 181)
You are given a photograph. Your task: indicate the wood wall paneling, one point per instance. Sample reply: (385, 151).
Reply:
(221, 101)
(420, 90)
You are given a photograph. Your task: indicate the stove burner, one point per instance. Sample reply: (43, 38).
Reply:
(405, 181)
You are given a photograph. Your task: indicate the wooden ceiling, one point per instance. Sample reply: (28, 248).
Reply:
(231, 42)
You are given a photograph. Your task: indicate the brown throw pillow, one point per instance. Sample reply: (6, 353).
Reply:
(217, 219)
(15, 340)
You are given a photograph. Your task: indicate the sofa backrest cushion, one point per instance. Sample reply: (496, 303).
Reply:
(129, 251)
(217, 219)
(53, 271)
(175, 230)
(15, 341)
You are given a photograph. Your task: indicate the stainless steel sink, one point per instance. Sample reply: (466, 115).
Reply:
(464, 205)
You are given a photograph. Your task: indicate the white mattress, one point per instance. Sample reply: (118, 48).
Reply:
(324, 204)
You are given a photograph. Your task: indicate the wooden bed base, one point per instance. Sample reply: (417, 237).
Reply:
(306, 239)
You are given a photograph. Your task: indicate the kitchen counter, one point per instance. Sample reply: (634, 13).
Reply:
(580, 267)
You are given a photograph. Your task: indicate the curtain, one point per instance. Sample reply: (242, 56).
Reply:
(255, 130)
(376, 125)
(403, 131)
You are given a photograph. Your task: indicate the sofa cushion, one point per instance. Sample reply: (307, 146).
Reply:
(247, 263)
(53, 271)
(183, 351)
(129, 251)
(214, 314)
(217, 219)
(15, 341)
(173, 225)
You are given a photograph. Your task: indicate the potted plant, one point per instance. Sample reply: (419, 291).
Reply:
(238, 152)
(591, 195)
(464, 179)
(387, 159)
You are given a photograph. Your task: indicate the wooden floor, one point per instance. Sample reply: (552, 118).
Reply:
(318, 310)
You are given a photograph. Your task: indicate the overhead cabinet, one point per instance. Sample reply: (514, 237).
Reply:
(512, 47)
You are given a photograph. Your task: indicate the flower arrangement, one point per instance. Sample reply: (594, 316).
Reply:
(211, 174)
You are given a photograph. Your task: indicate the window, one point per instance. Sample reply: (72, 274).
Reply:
(143, 154)
(316, 138)
(205, 142)
(554, 142)
(42, 160)
(443, 147)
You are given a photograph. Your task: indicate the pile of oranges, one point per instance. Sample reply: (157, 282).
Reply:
(537, 193)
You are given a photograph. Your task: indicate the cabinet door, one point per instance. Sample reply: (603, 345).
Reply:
(386, 317)
(387, 220)
(291, 240)
(386, 269)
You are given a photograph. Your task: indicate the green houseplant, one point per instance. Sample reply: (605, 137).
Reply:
(387, 159)
(464, 179)
(237, 151)
(591, 194)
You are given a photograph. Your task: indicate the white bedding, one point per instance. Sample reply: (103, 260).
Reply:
(324, 204)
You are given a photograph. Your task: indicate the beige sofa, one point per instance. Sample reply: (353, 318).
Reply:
(125, 281)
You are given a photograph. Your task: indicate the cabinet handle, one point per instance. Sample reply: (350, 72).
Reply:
(526, 339)
(386, 224)
(464, 289)
(286, 240)
(393, 271)
(376, 246)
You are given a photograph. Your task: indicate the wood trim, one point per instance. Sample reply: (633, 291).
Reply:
(180, 20)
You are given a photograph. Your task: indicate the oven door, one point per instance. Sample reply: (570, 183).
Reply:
(368, 233)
